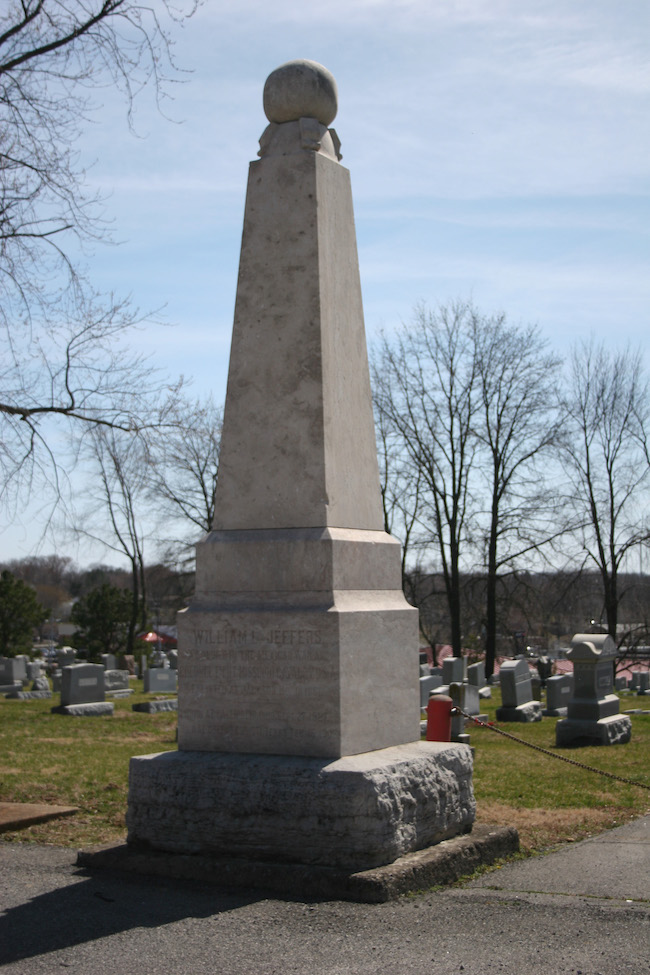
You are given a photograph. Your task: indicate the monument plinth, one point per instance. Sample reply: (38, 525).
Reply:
(298, 694)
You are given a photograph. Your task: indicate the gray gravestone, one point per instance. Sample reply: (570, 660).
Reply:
(116, 683)
(427, 684)
(476, 674)
(13, 670)
(82, 691)
(34, 670)
(109, 660)
(65, 657)
(155, 707)
(644, 683)
(593, 712)
(159, 680)
(559, 690)
(517, 702)
(453, 670)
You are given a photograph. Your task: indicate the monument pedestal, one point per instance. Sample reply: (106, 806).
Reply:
(616, 729)
(593, 716)
(354, 813)
(530, 711)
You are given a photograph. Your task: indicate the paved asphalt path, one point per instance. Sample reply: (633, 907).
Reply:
(584, 910)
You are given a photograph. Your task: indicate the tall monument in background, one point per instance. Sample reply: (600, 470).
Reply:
(298, 726)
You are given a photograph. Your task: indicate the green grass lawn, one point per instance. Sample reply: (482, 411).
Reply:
(84, 762)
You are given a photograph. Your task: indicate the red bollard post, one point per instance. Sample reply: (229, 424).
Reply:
(439, 718)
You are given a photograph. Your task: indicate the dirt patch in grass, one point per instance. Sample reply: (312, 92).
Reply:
(540, 829)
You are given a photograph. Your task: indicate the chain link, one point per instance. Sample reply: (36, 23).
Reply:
(546, 751)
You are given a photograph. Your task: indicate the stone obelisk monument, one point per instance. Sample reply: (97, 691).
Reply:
(298, 724)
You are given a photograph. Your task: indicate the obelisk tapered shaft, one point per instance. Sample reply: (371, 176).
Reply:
(298, 582)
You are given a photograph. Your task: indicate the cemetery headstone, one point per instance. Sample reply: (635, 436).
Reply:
(82, 691)
(517, 702)
(116, 683)
(65, 657)
(544, 669)
(453, 670)
(12, 674)
(155, 707)
(593, 712)
(476, 674)
(109, 660)
(34, 669)
(644, 683)
(427, 684)
(559, 690)
(298, 587)
(129, 663)
(159, 680)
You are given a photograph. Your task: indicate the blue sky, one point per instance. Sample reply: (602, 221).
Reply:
(498, 150)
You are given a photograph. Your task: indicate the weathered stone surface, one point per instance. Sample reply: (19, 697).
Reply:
(160, 680)
(613, 730)
(443, 863)
(82, 684)
(116, 680)
(516, 685)
(86, 710)
(531, 711)
(593, 711)
(559, 691)
(29, 695)
(154, 707)
(356, 812)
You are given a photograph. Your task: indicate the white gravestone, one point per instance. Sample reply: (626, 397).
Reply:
(298, 583)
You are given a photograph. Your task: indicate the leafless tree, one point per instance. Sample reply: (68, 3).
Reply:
(467, 402)
(183, 468)
(425, 389)
(114, 510)
(62, 347)
(605, 413)
(517, 428)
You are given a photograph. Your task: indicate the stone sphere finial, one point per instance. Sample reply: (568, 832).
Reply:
(300, 89)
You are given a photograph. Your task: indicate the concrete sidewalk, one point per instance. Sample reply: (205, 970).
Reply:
(584, 908)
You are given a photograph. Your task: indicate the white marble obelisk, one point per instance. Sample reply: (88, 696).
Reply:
(297, 657)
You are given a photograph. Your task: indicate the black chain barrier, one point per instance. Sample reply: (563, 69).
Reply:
(545, 751)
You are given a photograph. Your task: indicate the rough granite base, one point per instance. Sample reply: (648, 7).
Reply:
(85, 710)
(155, 707)
(353, 813)
(443, 863)
(29, 695)
(613, 730)
(531, 711)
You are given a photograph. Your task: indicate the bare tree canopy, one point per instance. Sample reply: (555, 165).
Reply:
(605, 412)
(182, 472)
(466, 414)
(62, 346)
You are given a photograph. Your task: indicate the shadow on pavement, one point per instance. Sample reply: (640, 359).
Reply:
(94, 908)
